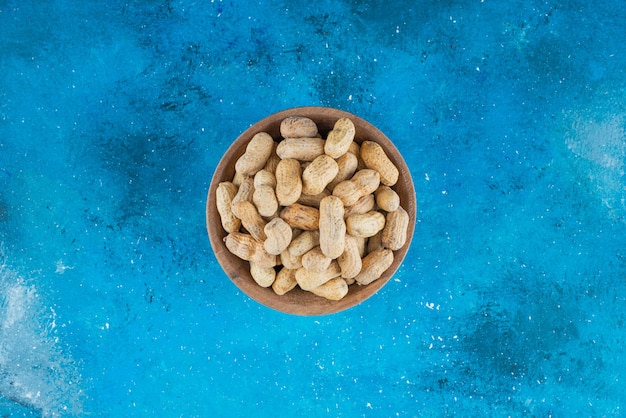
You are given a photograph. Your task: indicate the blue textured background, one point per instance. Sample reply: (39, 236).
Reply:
(510, 114)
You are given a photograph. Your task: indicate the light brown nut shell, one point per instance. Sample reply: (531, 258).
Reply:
(303, 149)
(263, 276)
(334, 289)
(374, 265)
(288, 181)
(256, 155)
(285, 281)
(297, 127)
(224, 195)
(339, 139)
(332, 227)
(301, 217)
(350, 260)
(374, 157)
(278, 236)
(394, 234)
(308, 280)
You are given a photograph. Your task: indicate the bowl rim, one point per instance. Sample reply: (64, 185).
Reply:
(291, 302)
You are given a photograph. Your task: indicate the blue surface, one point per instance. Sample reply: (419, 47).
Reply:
(510, 114)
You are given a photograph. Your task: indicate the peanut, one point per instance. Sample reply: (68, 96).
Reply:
(304, 242)
(288, 181)
(313, 200)
(386, 198)
(301, 217)
(350, 260)
(374, 265)
(257, 152)
(375, 242)
(339, 139)
(249, 249)
(365, 225)
(315, 261)
(362, 183)
(332, 227)
(244, 194)
(298, 127)
(308, 280)
(375, 158)
(346, 165)
(272, 161)
(366, 180)
(303, 149)
(264, 197)
(263, 276)
(289, 260)
(285, 281)
(347, 192)
(238, 178)
(395, 231)
(318, 174)
(363, 205)
(264, 178)
(334, 289)
(278, 236)
(355, 149)
(251, 220)
(362, 244)
(224, 195)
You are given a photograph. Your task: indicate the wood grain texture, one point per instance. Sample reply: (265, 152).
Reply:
(297, 301)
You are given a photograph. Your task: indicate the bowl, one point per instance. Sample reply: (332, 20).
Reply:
(297, 301)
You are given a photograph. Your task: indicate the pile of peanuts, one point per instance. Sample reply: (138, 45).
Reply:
(316, 213)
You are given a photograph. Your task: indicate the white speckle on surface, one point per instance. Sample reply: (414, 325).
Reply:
(60, 267)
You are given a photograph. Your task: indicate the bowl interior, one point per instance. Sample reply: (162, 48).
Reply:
(297, 301)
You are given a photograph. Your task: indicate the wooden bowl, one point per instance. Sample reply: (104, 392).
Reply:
(297, 301)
